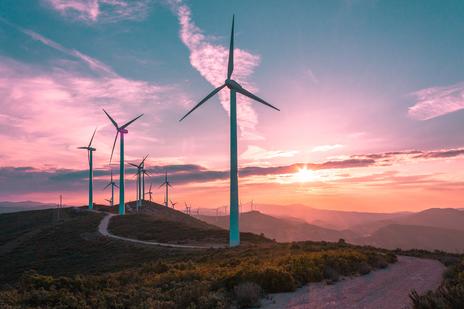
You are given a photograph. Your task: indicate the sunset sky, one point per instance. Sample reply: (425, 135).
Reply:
(371, 96)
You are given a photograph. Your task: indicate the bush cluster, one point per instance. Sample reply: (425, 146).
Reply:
(207, 279)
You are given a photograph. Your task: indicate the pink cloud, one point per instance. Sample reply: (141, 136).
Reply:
(210, 60)
(101, 10)
(437, 101)
(44, 116)
(93, 63)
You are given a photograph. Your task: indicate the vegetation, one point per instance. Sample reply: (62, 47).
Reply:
(68, 265)
(450, 294)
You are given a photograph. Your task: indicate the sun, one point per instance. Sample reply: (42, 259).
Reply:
(304, 175)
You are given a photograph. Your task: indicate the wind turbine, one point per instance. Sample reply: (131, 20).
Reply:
(149, 192)
(90, 151)
(141, 172)
(173, 204)
(112, 184)
(167, 184)
(234, 87)
(120, 131)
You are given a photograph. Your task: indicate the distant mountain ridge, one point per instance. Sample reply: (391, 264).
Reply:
(280, 229)
(8, 207)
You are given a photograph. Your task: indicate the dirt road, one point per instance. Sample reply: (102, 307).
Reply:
(381, 289)
(103, 229)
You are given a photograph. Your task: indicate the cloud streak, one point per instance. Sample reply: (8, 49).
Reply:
(92, 11)
(437, 101)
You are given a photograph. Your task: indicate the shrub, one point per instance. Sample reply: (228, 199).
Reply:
(331, 275)
(248, 294)
(364, 268)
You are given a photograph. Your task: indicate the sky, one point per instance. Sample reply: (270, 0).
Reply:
(371, 95)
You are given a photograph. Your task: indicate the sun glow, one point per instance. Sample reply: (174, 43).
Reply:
(304, 175)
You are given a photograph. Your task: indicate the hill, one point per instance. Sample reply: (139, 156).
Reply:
(280, 229)
(416, 237)
(155, 222)
(7, 207)
(447, 218)
(332, 219)
(67, 264)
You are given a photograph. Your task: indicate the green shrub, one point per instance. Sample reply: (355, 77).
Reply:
(248, 294)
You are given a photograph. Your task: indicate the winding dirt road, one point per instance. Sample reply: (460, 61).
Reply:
(103, 229)
(382, 289)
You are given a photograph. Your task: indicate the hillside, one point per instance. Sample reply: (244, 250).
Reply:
(416, 237)
(280, 229)
(158, 223)
(67, 264)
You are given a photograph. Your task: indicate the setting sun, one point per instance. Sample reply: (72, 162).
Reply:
(304, 175)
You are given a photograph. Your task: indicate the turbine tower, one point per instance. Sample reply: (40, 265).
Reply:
(112, 184)
(167, 184)
(120, 131)
(90, 151)
(234, 87)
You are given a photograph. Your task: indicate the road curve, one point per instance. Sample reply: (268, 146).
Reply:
(386, 289)
(103, 229)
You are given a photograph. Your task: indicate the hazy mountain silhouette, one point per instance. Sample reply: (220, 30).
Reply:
(6, 207)
(280, 229)
(332, 219)
(415, 237)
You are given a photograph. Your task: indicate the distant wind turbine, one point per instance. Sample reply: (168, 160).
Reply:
(167, 184)
(173, 204)
(112, 184)
(234, 87)
(150, 192)
(90, 151)
(120, 131)
(141, 172)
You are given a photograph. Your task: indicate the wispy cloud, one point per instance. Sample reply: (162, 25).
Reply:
(101, 10)
(256, 153)
(325, 148)
(210, 60)
(437, 101)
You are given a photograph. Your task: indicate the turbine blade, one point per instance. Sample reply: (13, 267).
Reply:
(254, 97)
(127, 124)
(88, 156)
(169, 184)
(107, 186)
(114, 144)
(112, 120)
(143, 161)
(116, 185)
(150, 187)
(204, 100)
(133, 164)
(90, 144)
(230, 66)
(162, 184)
(83, 148)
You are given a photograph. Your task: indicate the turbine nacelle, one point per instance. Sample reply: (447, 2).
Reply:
(232, 84)
(123, 131)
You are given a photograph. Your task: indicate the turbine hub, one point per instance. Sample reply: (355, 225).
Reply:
(123, 131)
(232, 84)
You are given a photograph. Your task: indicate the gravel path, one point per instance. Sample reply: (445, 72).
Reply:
(103, 229)
(382, 289)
